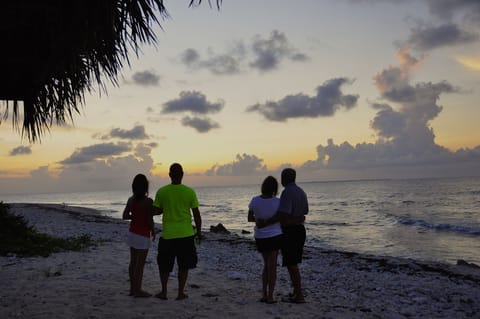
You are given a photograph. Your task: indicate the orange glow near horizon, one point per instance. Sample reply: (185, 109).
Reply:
(470, 62)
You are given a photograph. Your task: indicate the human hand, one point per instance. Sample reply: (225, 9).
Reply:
(260, 223)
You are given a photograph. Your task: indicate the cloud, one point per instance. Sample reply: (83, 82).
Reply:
(262, 54)
(219, 64)
(243, 165)
(104, 172)
(429, 38)
(145, 78)
(202, 125)
(91, 153)
(270, 52)
(326, 102)
(21, 150)
(446, 9)
(227, 63)
(452, 23)
(110, 172)
(405, 140)
(136, 133)
(192, 101)
(190, 57)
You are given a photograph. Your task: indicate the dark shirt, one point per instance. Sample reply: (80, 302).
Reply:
(293, 201)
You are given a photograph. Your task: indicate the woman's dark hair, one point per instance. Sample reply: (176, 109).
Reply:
(140, 186)
(270, 186)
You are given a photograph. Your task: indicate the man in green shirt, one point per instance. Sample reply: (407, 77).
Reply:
(177, 202)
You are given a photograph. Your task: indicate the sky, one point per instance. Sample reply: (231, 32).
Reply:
(337, 89)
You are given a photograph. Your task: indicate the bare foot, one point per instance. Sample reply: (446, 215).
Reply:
(142, 294)
(161, 295)
(270, 301)
(181, 296)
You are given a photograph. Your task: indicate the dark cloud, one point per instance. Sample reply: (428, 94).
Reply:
(145, 78)
(136, 133)
(202, 125)
(243, 165)
(94, 152)
(263, 54)
(270, 52)
(21, 150)
(326, 102)
(457, 22)
(192, 101)
(219, 64)
(446, 9)
(222, 64)
(190, 57)
(428, 38)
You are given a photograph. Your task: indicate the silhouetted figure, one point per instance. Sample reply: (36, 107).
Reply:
(177, 203)
(292, 211)
(139, 210)
(291, 214)
(269, 238)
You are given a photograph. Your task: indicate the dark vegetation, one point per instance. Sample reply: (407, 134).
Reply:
(17, 237)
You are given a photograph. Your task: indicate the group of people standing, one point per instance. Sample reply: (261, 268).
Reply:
(176, 203)
(278, 227)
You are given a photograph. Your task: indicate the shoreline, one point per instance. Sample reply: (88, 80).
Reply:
(94, 283)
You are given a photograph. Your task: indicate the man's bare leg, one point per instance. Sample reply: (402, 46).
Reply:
(182, 280)
(297, 283)
(164, 281)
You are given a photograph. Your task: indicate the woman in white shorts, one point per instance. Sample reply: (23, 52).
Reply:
(139, 210)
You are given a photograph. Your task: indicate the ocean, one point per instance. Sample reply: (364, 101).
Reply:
(424, 219)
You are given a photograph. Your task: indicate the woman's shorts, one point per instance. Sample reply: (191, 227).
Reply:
(265, 245)
(138, 241)
(183, 249)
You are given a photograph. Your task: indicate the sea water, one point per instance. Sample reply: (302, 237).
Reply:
(425, 219)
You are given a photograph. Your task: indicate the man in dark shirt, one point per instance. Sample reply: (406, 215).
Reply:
(291, 212)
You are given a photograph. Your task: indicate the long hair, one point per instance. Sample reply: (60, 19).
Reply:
(270, 186)
(140, 186)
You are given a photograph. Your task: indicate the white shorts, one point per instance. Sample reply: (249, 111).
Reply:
(138, 241)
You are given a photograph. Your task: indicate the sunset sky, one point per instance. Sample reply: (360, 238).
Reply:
(338, 89)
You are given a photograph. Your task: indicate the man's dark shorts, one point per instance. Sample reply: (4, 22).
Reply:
(265, 245)
(181, 248)
(293, 242)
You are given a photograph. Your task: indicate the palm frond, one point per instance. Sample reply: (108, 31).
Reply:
(57, 50)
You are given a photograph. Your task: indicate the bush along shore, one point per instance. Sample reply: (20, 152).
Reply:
(17, 237)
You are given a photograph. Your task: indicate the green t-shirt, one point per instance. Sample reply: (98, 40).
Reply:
(176, 201)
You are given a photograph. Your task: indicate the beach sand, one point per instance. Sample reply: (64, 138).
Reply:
(226, 284)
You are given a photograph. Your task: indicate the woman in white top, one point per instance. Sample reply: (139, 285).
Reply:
(268, 239)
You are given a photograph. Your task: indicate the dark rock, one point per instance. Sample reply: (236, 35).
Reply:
(219, 229)
(461, 262)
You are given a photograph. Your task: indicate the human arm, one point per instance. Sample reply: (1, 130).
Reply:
(156, 211)
(278, 217)
(126, 211)
(251, 216)
(151, 223)
(197, 218)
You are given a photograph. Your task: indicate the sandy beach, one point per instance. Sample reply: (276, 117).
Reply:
(94, 283)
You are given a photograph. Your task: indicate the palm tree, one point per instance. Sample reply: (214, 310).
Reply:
(53, 51)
